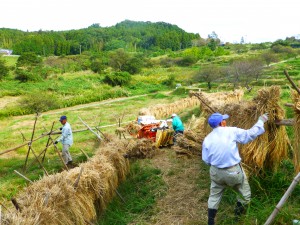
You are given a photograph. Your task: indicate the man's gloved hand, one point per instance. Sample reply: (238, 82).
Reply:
(60, 128)
(55, 142)
(264, 117)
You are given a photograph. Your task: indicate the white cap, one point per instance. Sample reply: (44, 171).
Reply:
(173, 115)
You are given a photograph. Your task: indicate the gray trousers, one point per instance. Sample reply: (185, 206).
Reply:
(234, 177)
(66, 154)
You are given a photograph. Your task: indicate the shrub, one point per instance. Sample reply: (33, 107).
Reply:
(117, 78)
(28, 59)
(3, 69)
(39, 102)
(24, 75)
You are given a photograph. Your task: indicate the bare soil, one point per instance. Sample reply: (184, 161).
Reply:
(184, 203)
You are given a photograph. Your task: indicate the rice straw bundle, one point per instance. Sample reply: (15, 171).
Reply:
(269, 149)
(133, 128)
(185, 143)
(56, 199)
(296, 145)
(141, 148)
(165, 110)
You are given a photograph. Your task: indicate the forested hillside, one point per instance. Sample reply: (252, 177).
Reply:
(126, 34)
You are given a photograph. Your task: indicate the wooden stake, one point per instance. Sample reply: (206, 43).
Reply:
(48, 142)
(283, 200)
(23, 176)
(46, 199)
(86, 155)
(291, 81)
(55, 147)
(78, 178)
(41, 165)
(15, 203)
(4, 207)
(30, 143)
(120, 196)
(98, 136)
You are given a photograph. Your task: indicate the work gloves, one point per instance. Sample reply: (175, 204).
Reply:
(55, 142)
(264, 118)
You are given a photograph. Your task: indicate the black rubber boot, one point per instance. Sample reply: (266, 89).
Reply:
(239, 210)
(211, 216)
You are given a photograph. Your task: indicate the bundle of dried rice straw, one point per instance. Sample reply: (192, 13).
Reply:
(141, 148)
(57, 199)
(296, 145)
(165, 110)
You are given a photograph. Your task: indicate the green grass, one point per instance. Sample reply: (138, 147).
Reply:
(140, 191)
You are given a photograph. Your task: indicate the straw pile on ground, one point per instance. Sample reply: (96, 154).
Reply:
(296, 142)
(219, 98)
(269, 149)
(190, 143)
(141, 148)
(165, 110)
(57, 199)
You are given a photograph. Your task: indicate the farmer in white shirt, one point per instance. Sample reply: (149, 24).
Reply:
(220, 151)
(66, 139)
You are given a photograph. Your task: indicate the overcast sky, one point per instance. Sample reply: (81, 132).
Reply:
(255, 20)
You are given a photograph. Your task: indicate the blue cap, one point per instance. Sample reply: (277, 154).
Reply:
(62, 118)
(216, 118)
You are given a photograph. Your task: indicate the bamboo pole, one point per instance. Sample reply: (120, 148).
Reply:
(48, 142)
(55, 147)
(41, 165)
(78, 178)
(21, 175)
(30, 143)
(54, 133)
(86, 155)
(98, 136)
(291, 81)
(283, 200)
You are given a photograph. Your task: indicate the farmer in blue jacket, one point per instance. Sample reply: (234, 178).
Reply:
(177, 125)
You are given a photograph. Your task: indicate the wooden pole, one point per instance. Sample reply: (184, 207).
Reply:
(98, 136)
(283, 199)
(48, 142)
(285, 122)
(86, 155)
(21, 175)
(4, 207)
(62, 160)
(15, 203)
(78, 178)
(37, 159)
(30, 143)
(291, 81)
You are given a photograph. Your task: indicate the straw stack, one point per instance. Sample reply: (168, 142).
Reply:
(57, 199)
(165, 110)
(296, 145)
(141, 148)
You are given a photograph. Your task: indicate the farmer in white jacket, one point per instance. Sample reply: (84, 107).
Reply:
(66, 139)
(220, 152)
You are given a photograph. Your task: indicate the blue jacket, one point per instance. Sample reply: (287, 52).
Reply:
(177, 124)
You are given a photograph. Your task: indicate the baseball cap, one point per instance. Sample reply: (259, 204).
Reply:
(216, 118)
(62, 118)
(173, 115)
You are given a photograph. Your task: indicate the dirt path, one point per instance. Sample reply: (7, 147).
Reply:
(184, 202)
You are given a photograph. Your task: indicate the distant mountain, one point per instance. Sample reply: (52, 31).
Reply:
(130, 35)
